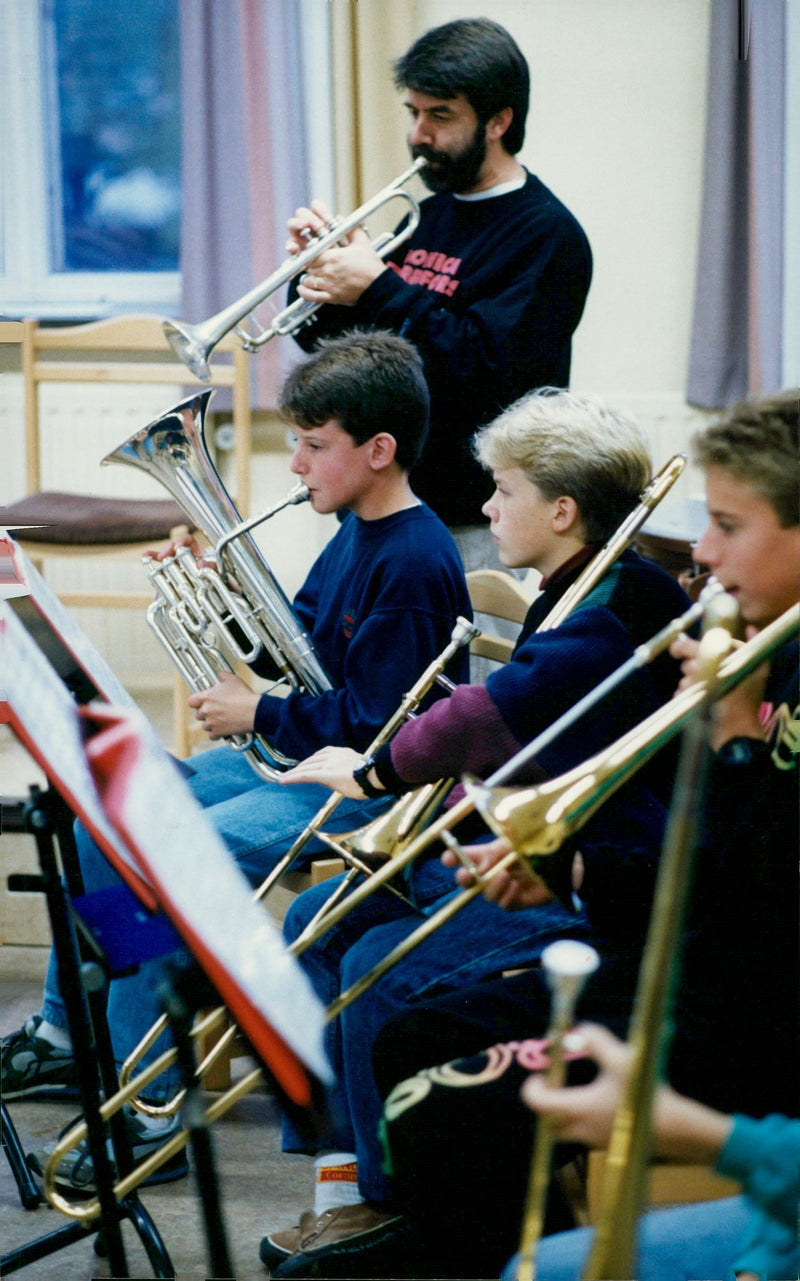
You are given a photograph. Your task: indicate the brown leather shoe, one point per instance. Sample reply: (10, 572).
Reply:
(277, 1246)
(354, 1241)
(344, 1221)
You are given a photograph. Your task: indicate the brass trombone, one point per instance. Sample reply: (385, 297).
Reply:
(462, 633)
(613, 1247)
(391, 832)
(193, 344)
(535, 820)
(400, 826)
(666, 920)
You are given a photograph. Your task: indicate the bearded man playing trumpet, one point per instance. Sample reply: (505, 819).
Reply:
(734, 1043)
(566, 473)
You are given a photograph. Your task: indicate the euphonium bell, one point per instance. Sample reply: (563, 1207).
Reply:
(232, 612)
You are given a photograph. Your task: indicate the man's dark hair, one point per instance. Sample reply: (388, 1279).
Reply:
(476, 57)
(369, 381)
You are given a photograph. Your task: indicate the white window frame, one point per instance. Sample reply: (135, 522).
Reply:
(27, 286)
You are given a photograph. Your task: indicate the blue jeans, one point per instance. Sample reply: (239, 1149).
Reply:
(480, 940)
(258, 821)
(679, 1244)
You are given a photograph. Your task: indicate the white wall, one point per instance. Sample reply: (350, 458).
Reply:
(616, 129)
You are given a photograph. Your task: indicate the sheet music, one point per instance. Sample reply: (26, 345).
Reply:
(65, 629)
(43, 715)
(210, 901)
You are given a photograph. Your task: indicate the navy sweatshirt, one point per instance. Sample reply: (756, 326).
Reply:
(490, 292)
(379, 604)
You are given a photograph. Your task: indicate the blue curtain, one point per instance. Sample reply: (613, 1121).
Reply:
(245, 164)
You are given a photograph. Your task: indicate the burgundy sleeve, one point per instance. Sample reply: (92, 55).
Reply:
(464, 733)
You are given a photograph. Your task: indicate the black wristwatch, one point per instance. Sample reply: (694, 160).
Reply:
(740, 750)
(360, 775)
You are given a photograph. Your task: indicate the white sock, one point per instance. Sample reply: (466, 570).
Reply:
(58, 1037)
(335, 1181)
(154, 1124)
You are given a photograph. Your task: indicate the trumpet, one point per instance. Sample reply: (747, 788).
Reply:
(193, 344)
(205, 627)
(564, 803)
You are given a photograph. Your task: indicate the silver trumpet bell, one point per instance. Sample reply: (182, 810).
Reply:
(232, 611)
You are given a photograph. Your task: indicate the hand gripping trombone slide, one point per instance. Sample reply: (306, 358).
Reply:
(535, 820)
(395, 829)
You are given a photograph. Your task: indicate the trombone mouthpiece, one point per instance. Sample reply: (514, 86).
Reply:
(569, 959)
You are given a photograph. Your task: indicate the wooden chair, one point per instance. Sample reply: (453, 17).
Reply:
(122, 350)
(499, 595)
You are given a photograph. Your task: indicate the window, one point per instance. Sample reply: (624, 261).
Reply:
(90, 189)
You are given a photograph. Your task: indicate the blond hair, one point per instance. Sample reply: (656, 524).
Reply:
(569, 445)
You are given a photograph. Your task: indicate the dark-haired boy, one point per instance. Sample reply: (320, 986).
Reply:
(379, 604)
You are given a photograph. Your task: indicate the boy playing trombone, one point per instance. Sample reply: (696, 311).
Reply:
(734, 1044)
(566, 473)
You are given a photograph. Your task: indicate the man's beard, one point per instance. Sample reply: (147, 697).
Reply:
(454, 173)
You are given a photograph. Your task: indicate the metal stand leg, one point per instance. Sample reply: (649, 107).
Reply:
(28, 1191)
(181, 1002)
(48, 819)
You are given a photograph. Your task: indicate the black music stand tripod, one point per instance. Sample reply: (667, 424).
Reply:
(83, 980)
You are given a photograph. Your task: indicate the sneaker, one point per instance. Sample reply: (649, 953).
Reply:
(341, 1240)
(277, 1246)
(33, 1068)
(75, 1172)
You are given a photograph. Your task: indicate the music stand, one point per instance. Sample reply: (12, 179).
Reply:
(107, 767)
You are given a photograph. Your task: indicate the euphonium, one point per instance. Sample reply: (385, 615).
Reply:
(193, 344)
(205, 625)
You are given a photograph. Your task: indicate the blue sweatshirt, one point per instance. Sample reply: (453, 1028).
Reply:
(379, 603)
